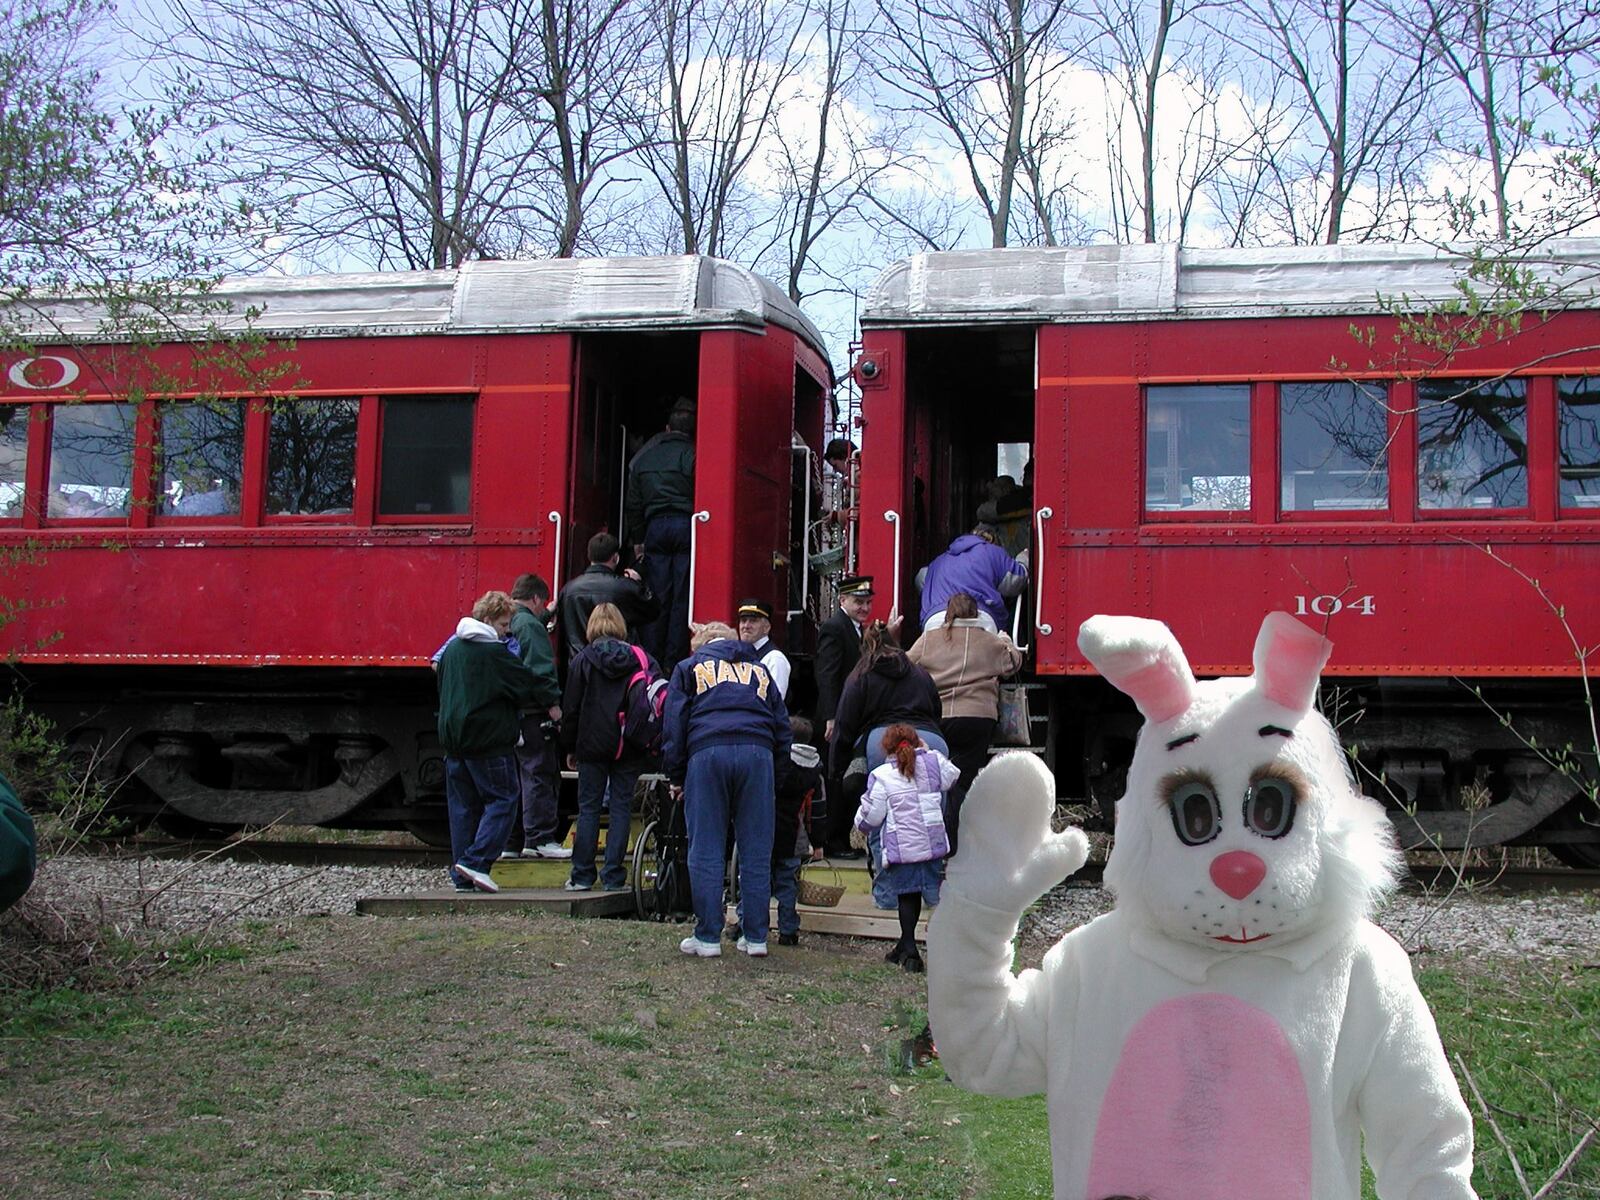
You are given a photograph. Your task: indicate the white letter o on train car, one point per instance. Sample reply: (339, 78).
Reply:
(18, 374)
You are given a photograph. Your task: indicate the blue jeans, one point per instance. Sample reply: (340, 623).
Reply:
(786, 890)
(481, 795)
(540, 768)
(666, 570)
(722, 781)
(612, 785)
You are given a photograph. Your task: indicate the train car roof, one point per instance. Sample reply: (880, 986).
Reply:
(681, 291)
(1150, 282)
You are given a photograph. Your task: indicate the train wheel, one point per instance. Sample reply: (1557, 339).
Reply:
(430, 833)
(647, 872)
(1580, 815)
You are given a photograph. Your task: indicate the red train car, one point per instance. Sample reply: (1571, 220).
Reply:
(1220, 433)
(228, 565)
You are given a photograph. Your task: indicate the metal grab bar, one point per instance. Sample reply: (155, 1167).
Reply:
(1016, 627)
(894, 519)
(1039, 518)
(805, 536)
(555, 569)
(694, 543)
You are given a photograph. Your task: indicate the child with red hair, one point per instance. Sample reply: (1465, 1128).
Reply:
(906, 797)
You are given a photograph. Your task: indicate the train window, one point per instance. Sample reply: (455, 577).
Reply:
(1472, 449)
(311, 457)
(1580, 442)
(200, 457)
(426, 466)
(14, 422)
(1333, 440)
(91, 460)
(1197, 447)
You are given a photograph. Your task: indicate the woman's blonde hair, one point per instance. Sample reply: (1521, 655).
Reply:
(491, 607)
(605, 621)
(710, 632)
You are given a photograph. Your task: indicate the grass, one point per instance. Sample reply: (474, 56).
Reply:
(537, 1056)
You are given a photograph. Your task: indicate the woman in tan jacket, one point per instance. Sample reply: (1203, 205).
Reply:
(967, 663)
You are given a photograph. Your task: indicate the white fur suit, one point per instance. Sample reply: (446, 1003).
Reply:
(1236, 1026)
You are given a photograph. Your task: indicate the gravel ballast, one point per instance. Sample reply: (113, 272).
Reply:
(185, 896)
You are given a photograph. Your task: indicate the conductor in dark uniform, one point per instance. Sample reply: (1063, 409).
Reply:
(838, 651)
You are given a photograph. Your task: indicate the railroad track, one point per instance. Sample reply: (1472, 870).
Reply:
(1510, 879)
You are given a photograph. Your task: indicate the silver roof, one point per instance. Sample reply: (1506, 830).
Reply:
(1123, 283)
(684, 291)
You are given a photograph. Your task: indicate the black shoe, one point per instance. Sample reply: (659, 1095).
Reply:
(848, 852)
(896, 954)
(788, 939)
(912, 963)
(733, 932)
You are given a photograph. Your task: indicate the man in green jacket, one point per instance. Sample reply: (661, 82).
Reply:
(482, 691)
(659, 503)
(18, 850)
(538, 757)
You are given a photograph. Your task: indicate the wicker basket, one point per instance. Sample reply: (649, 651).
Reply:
(820, 895)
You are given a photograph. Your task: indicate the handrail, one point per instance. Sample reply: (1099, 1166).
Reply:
(1039, 518)
(805, 536)
(894, 519)
(1016, 626)
(555, 570)
(698, 519)
(622, 501)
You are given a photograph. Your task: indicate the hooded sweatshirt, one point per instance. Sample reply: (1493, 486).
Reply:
(597, 684)
(894, 689)
(722, 695)
(481, 689)
(976, 567)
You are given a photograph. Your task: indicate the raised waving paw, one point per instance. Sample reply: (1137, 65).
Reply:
(1009, 856)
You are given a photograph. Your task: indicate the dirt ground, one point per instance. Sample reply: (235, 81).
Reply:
(513, 1055)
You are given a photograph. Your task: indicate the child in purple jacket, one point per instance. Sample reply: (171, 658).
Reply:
(906, 797)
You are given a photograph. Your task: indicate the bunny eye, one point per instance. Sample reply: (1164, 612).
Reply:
(1196, 815)
(1269, 805)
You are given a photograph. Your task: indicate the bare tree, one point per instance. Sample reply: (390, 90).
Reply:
(718, 68)
(397, 127)
(1360, 98)
(974, 71)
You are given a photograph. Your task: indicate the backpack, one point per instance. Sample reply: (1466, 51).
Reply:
(643, 702)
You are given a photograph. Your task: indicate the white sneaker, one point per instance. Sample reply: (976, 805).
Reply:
(547, 850)
(480, 880)
(505, 854)
(693, 945)
(753, 949)
(569, 886)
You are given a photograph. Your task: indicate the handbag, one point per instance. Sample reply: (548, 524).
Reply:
(1012, 727)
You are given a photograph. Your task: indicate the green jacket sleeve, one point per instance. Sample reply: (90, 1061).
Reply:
(18, 849)
(538, 655)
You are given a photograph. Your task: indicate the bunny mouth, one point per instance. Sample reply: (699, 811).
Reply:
(1243, 939)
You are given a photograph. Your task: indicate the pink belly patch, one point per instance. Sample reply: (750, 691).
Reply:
(1207, 1103)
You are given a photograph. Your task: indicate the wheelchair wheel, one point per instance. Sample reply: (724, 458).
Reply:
(647, 871)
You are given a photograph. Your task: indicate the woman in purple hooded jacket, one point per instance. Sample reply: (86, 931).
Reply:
(906, 797)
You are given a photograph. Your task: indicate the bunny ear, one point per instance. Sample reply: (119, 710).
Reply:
(1143, 659)
(1289, 658)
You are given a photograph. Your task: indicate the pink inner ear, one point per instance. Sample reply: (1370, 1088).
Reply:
(1289, 659)
(1160, 691)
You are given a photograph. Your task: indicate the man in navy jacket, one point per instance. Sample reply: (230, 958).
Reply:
(725, 732)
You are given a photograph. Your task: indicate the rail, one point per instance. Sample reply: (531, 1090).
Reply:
(694, 544)
(1039, 518)
(805, 535)
(894, 519)
(555, 567)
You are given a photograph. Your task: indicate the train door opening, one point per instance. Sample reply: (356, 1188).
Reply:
(625, 385)
(969, 429)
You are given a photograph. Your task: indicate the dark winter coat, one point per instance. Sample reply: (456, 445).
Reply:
(18, 849)
(660, 481)
(838, 652)
(722, 695)
(893, 690)
(481, 692)
(538, 654)
(586, 592)
(597, 684)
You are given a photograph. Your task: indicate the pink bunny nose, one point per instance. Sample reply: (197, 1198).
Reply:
(1238, 872)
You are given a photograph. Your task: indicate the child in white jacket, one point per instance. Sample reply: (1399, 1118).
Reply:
(906, 797)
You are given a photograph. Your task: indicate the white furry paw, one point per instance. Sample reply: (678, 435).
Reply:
(1008, 856)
